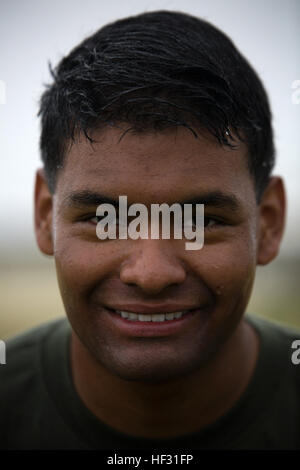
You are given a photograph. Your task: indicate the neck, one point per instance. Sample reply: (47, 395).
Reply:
(167, 409)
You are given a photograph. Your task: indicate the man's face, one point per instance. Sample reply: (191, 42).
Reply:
(96, 278)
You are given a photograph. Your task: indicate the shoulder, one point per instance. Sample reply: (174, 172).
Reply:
(26, 407)
(280, 346)
(273, 329)
(23, 357)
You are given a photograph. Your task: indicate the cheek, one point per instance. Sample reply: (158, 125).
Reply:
(228, 269)
(82, 265)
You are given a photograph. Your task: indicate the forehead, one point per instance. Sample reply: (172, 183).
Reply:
(156, 164)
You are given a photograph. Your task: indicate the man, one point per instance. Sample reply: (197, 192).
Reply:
(157, 351)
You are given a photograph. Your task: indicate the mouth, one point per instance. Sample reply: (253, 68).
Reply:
(130, 323)
(155, 317)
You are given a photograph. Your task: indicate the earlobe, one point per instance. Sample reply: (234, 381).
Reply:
(43, 214)
(271, 221)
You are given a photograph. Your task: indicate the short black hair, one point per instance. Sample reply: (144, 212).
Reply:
(152, 71)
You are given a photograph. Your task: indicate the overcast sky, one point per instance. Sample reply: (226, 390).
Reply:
(33, 32)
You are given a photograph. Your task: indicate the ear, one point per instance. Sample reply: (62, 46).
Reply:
(43, 214)
(271, 220)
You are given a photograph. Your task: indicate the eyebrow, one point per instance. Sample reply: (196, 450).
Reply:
(87, 198)
(218, 199)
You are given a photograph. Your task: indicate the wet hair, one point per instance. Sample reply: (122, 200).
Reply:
(153, 71)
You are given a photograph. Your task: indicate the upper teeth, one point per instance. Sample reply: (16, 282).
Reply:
(152, 317)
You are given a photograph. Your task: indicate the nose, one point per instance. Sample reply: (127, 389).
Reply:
(153, 266)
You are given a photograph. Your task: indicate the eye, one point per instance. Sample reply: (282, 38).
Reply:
(210, 222)
(91, 218)
(94, 220)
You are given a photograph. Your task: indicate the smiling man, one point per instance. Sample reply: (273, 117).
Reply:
(156, 350)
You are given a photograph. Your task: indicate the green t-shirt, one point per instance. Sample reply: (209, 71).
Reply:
(40, 409)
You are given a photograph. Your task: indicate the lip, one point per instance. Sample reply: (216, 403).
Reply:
(151, 329)
(147, 309)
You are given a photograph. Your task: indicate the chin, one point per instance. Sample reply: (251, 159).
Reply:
(150, 369)
(150, 375)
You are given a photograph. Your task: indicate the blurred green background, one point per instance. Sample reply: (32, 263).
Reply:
(30, 295)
